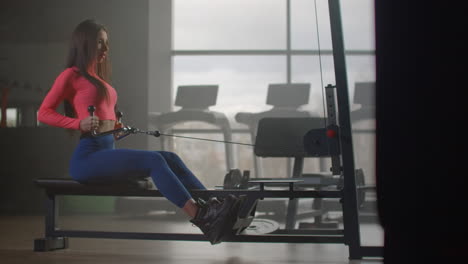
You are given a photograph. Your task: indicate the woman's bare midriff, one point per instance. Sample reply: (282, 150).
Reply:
(106, 125)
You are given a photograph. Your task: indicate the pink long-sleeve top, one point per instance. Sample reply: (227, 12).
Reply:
(70, 85)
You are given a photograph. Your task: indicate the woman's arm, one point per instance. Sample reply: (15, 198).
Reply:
(61, 89)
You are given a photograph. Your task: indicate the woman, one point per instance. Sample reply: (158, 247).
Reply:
(85, 82)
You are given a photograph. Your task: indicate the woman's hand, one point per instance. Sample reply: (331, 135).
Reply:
(121, 134)
(89, 124)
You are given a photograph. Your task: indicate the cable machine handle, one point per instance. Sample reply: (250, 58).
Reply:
(91, 110)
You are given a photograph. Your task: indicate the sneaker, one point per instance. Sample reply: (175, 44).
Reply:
(216, 218)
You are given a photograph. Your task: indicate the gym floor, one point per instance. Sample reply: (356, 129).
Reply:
(18, 233)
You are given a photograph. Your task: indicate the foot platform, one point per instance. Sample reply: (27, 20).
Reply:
(246, 214)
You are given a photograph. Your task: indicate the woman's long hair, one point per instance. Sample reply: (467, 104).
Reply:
(83, 53)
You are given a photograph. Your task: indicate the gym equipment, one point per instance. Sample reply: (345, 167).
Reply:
(195, 101)
(290, 130)
(286, 98)
(261, 226)
(58, 238)
(364, 94)
(235, 180)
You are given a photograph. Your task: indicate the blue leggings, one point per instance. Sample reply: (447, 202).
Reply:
(96, 160)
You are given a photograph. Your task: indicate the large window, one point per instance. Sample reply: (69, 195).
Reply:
(245, 45)
(229, 24)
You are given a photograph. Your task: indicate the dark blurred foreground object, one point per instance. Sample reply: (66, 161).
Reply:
(421, 172)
